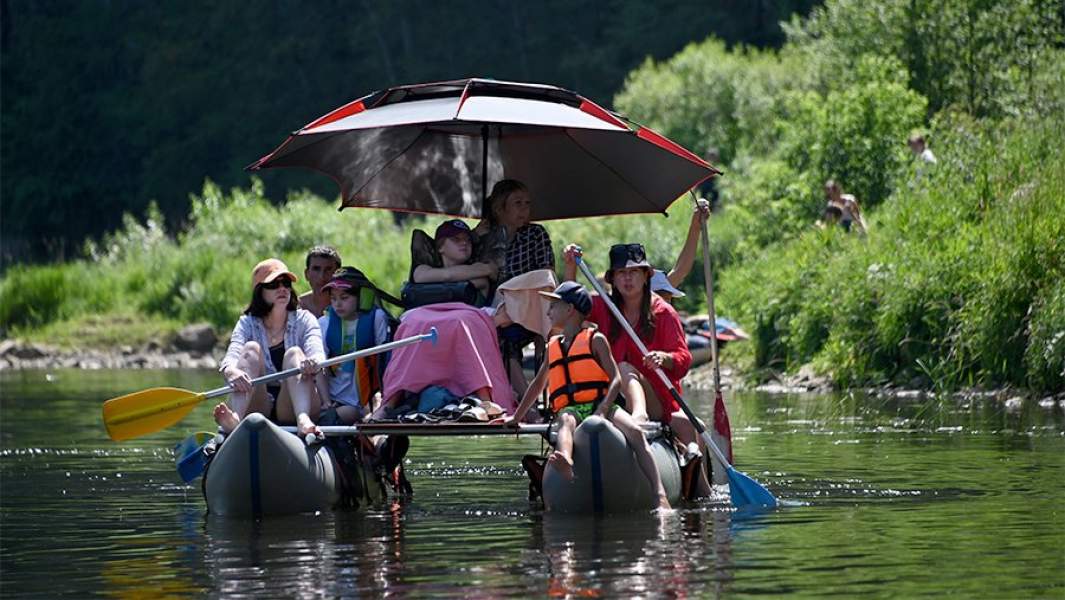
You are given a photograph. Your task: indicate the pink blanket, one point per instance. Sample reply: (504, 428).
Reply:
(464, 359)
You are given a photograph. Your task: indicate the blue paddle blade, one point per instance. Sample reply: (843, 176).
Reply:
(746, 492)
(189, 456)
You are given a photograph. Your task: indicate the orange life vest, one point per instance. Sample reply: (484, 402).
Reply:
(574, 377)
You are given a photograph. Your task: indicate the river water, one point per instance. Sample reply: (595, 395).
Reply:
(883, 498)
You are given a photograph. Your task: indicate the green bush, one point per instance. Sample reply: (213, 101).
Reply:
(1045, 355)
(708, 97)
(34, 296)
(984, 57)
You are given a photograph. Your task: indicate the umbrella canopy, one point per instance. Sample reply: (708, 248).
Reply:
(436, 148)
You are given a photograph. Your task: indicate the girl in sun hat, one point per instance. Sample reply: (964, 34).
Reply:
(273, 334)
(659, 328)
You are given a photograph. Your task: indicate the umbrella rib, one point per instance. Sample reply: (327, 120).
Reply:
(654, 207)
(388, 163)
(318, 139)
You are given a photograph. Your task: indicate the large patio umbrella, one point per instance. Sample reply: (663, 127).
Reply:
(438, 147)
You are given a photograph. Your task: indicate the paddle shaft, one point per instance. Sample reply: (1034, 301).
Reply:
(336, 360)
(643, 350)
(433, 429)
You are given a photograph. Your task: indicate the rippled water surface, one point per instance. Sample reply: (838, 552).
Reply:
(885, 498)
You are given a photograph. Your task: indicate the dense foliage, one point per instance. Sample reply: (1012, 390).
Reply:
(959, 279)
(108, 105)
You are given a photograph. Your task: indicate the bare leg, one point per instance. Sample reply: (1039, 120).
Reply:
(632, 388)
(687, 434)
(299, 401)
(517, 376)
(562, 458)
(391, 402)
(632, 432)
(321, 382)
(229, 414)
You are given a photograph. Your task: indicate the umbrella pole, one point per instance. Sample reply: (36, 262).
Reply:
(484, 171)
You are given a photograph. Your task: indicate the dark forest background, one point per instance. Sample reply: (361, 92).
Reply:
(109, 105)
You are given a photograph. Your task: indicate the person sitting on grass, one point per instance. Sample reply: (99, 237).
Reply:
(272, 335)
(583, 380)
(352, 322)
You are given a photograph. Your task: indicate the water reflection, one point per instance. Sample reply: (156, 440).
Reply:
(883, 496)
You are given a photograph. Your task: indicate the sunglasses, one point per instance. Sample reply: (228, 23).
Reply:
(280, 281)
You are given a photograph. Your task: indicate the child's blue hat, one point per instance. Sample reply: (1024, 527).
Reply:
(573, 293)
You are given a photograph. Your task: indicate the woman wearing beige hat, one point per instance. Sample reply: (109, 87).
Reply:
(273, 334)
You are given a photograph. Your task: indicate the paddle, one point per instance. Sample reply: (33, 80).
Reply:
(743, 490)
(188, 455)
(148, 411)
(722, 430)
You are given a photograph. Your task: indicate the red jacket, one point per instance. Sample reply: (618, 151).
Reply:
(668, 337)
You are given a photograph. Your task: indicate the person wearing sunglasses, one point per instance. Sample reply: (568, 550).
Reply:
(273, 334)
(661, 331)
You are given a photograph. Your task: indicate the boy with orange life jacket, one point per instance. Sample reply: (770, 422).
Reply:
(352, 322)
(582, 380)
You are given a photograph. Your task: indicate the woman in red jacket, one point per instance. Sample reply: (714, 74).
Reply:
(660, 329)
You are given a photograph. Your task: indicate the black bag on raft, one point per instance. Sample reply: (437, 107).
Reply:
(420, 294)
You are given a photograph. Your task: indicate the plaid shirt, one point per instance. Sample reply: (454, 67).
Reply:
(529, 250)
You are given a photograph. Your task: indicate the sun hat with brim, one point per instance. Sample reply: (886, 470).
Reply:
(572, 293)
(626, 256)
(269, 270)
(660, 283)
(451, 229)
(346, 278)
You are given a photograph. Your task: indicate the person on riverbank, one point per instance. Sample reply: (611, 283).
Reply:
(843, 208)
(322, 261)
(582, 379)
(507, 236)
(661, 331)
(352, 322)
(919, 148)
(273, 334)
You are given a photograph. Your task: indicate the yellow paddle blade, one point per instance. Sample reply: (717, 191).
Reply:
(148, 411)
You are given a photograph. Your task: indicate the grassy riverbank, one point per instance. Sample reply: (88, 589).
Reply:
(960, 281)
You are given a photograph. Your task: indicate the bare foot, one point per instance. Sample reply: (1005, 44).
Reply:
(226, 418)
(562, 463)
(305, 425)
(663, 502)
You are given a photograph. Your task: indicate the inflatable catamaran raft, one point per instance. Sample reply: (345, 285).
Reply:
(263, 469)
(606, 476)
